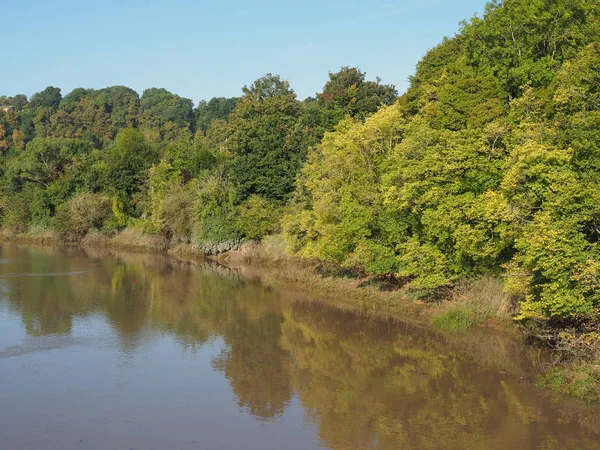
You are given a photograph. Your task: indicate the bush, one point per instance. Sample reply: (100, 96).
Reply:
(177, 213)
(215, 229)
(163, 179)
(257, 217)
(15, 211)
(118, 219)
(83, 213)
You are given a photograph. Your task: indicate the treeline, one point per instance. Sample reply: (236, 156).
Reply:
(214, 175)
(488, 164)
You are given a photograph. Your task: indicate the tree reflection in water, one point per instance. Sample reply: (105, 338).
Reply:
(364, 383)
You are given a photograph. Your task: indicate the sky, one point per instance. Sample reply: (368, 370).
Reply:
(204, 49)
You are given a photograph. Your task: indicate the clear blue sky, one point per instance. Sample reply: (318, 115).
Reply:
(201, 49)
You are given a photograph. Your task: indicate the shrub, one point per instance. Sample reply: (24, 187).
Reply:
(177, 212)
(163, 179)
(118, 220)
(16, 211)
(215, 229)
(83, 213)
(257, 217)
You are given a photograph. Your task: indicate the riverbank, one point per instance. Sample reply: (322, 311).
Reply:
(480, 303)
(463, 312)
(256, 345)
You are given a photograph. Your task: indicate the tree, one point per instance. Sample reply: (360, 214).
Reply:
(269, 86)
(522, 42)
(68, 101)
(49, 98)
(3, 140)
(45, 159)
(218, 108)
(127, 163)
(160, 106)
(577, 100)
(18, 101)
(348, 93)
(215, 214)
(556, 218)
(341, 221)
(266, 140)
(123, 105)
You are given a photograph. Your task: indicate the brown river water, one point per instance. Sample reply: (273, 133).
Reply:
(101, 351)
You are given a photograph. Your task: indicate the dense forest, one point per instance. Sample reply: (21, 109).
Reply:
(489, 164)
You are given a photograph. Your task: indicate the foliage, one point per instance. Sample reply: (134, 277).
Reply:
(493, 166)
(161, 106)
(178, 214)
(348, 93)
(454, 319)
(162, 181)
(49, 98)
(83, 213)
(488, 165)
(45, 159)
(257, 217)
(218, 108)
(342, 177)
(127, 161)
(581, 382)
(266, 140)
(16, 210)
(215, 215)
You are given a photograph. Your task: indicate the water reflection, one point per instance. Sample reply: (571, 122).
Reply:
(363, 384)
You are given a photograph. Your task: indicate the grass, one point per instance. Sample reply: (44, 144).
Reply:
(34, 235)
(580, 381)
(474, 303)
(133, 238)
(456, 319)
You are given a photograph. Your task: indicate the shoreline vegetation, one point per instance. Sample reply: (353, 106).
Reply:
(473, 197)
(464, 314)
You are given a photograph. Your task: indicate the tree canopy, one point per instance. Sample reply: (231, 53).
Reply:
(489, 164)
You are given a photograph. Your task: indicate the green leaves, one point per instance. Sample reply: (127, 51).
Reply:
(267, 140)
(215, 215)
(348, 93)
(128, 159)
(161, 106)
(45, 159)
(559, 268)
(489, 164)
(257, 217)
(342, 177)
(493, 167)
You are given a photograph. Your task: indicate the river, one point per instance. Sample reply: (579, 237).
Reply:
(117, 351)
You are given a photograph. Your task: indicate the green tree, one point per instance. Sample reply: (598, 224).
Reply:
(341, 222)
(45, 159)
(348, 93)
(49, 98)
(266, 140)
(127, 162)
(160, 106)
(215, 214)
(218, 108)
